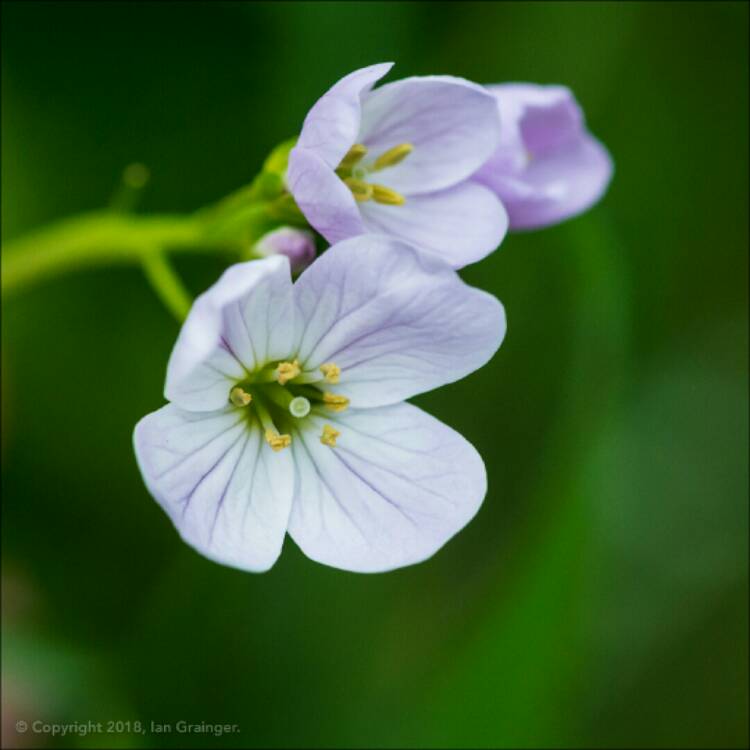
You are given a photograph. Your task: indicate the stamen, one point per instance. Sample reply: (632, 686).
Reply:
(286, 371)
(271, 434)
(392, 156)
(299, 407)
(329, 436)
(335, 401)
(276, 441)
(362, 191)
(382, 194)
(331, 371)
(239, 397)
(355, 154)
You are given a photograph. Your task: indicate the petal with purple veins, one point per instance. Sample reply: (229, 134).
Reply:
(244, 320)
(452, 124)
(461, 225)
(395, 488)
(332, 125)
(323, 198)
(395, 321)
(227, 493)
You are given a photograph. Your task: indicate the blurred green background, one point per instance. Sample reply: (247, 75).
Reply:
(600, 596)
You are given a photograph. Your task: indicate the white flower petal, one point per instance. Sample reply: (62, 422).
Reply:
(322, 196)
(397, 485)
(452, 123)
(547, 168)
(558, 187)
(243, 321)
(461, 225)
(332, 124)
(227, 493)
(397, 322)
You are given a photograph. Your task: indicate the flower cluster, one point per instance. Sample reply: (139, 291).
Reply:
(287, 408)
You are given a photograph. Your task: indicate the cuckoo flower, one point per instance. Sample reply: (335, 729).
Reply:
(547, 167)
(396, 160)
(287, 410)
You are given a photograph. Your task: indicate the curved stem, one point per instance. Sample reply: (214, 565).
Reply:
(167, 284)
(114, 236)
(98, 238)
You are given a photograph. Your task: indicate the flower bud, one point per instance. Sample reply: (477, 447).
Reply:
(297, 244)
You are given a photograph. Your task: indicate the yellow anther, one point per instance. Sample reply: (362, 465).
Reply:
(393, 156)
(329, 436)
(353, 155)
(362, 191)
(239, 397)
(331, 371)
(276, 441)
(287, 371)
(382, 194)
(336, 402)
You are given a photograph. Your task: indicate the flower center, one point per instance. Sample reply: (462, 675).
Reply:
(281, 395)
(355, 171)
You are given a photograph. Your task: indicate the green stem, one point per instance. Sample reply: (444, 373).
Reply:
(114, 236)
(245, 195)
(167, 284)
(97, 239)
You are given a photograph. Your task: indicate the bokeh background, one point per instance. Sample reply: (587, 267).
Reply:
(600, 596)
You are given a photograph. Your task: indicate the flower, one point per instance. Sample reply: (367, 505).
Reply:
(287, 410)
(397, 160)
(297, 244)
(547, 167)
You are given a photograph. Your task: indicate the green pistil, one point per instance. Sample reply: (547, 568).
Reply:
(278, 394)
(275, 405)
(281, 409)
(309, 392)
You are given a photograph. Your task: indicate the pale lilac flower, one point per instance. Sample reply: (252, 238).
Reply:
(287, 410)
(296, 244)
(548, 167)
(397, 160)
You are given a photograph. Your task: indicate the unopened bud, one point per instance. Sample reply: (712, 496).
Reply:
(297, 244)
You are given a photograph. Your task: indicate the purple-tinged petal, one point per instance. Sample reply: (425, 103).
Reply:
(296, 244)
(227, 493)
(546, 118)
(560, 186)
(461, 225)
(396, 321)
(323, 198)
(547, 167)
(331, 126)
(243, 321)
(395, 488)
(453, 125)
